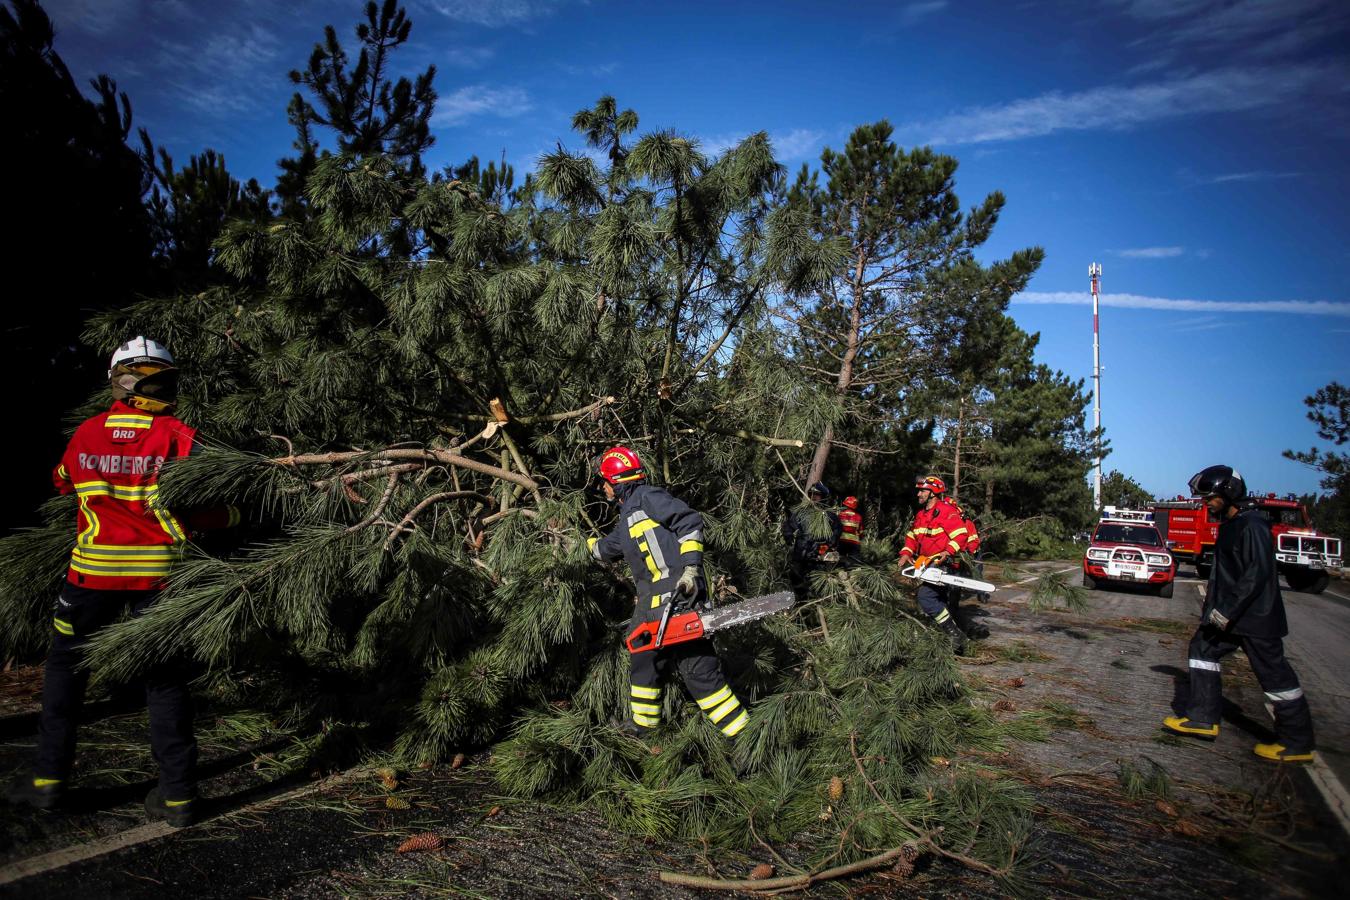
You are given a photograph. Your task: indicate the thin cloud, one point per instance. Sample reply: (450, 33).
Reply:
(798, 143)
(1150, 252)
(913, 12)
(481, 99)
(466, 57)
(1259, 27)
(494, 13)
(1136, 301)
(1247, 176)
(1117, 108)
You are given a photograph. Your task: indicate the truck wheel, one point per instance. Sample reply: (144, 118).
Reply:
(1165, 590)
(1088, 581)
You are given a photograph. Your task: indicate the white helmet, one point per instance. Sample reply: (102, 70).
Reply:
(139, 351)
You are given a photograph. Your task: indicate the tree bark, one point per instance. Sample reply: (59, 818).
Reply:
(845, 380)
(956, 459)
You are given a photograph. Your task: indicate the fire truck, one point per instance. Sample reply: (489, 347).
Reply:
(1301, 553)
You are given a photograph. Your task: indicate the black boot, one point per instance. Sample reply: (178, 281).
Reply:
(39, 793)
(973, 629)
(178, 813)
(629, 728)
(958, 637)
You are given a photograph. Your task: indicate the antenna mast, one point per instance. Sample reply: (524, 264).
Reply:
(1095, 272)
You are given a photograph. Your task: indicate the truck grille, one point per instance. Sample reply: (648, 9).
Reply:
(1310, 545)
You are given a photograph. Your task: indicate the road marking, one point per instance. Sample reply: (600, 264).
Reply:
(1334, 794)
(1334, 594)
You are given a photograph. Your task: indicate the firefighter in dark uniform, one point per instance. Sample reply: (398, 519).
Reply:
(662, 540)
(812, 532)
(1243, 608)
(125, 546)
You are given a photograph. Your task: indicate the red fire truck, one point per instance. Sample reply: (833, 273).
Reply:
(1302, 554)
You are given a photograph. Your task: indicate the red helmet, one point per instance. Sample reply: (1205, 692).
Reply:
(931, 483)
(850, 503)
(619, 464)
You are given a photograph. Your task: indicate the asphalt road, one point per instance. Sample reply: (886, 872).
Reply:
(1318, 645)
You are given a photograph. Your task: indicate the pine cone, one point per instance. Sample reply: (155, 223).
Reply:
(761, 871)
(388, 777)
(492, 812)
(1187, 827)
(396, 803)
(427, 841)
(457, 761)
(904, 866)
(1005, 706)
(1167, 809)
(836, 788)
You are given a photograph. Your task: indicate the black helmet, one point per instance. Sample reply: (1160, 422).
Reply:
(818, 488)
(1218, 481)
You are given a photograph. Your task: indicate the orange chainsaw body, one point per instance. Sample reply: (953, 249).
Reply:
(681, 627)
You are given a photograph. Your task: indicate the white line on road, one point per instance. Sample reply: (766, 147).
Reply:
(1328, 785)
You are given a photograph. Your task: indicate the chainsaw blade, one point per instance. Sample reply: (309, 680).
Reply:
(937, 576)
(746, 611)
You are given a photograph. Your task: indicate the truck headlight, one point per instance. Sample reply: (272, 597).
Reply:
(1161, 560)
(1101, 555)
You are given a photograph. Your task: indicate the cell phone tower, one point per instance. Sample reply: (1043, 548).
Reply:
(1095, 272)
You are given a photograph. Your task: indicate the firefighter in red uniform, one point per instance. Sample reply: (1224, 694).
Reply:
(973, 629)
(661, 538)
(936, 535)
(125, 544)
(850, 529)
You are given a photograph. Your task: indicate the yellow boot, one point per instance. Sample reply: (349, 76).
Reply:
(1280, 753)
(1183, 725)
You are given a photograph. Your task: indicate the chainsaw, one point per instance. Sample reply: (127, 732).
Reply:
(921, 571)
(676, 627)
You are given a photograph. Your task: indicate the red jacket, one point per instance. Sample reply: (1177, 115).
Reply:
(851, 521)
(936, 530)
(125, 540)
(972, 538)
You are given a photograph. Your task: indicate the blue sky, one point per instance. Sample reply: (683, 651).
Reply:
(1197, 149)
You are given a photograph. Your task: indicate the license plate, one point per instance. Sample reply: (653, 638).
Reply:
(1317, 564)
(1127, 576)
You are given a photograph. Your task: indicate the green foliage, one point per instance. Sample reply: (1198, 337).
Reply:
(1119, 489)
(881, 692)
(405, 379)
(1329, 411)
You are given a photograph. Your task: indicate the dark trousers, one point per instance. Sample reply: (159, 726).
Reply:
(80, 614)
(1293, 718)
(799, 576)
(699, 668)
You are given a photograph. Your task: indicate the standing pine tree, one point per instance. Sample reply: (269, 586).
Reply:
(907, 292)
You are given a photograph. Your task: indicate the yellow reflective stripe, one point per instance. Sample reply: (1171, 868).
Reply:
(724, 710)
(45, 782)
(646, 693)
(91, 529)
(957, 533)
(177, 802)
(641, 528)
(955, 547)
(64, 627)
(691, 547)
(126, 551)
(129, 421)
(61, 470)
(646, 721)
(651, 563)
(656, 601)
(125, 569)
(942, 617)
(715, 697)
(143, 492)
(650, 709)
(734, 727)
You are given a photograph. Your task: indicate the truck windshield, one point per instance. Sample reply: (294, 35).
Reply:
(1284, 515)
(1127, 534)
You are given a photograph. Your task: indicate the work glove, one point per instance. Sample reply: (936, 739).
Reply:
(1218, 620)
(687, 586)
